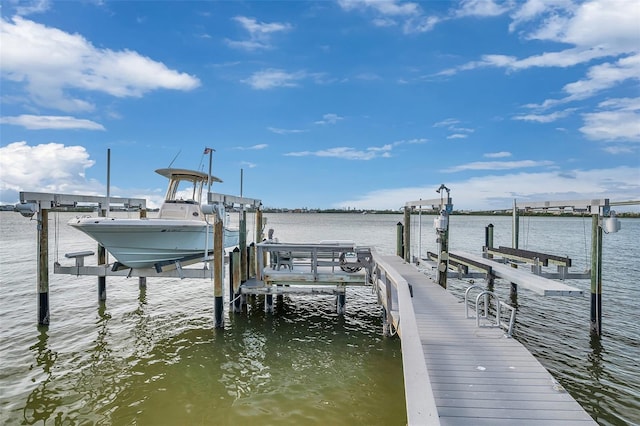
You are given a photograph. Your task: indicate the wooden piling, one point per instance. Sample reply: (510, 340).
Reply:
(341, 300)
(142, 281)
(235, 279)
(243, 245)
(218, 271)
(399, 237)
(43, 267)
(102, 260)
(515, 226)
(596, 275)
(488, 239)
(443, 257)
(407, 234)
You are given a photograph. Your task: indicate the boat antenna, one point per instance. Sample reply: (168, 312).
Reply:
(174, 158)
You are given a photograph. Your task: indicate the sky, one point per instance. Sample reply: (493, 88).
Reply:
(324, 104)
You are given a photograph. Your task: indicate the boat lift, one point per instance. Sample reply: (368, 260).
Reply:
(39, 204)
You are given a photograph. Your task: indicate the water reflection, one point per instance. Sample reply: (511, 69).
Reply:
(42, 401)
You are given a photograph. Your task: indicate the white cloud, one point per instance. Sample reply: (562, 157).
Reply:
(498, 165)
(612, 125)
(329, 119)
(545, 118)
(271, 78)
(501, 154)
(617, 120)
(446, 123)
(285, 131)
(594, 29)
(481, 8)
(51, 167)
(35, 6)
(259, 33)
(38, 122)
(347, 153)
(407, 15)
(55, 168)
(498, 192)
(458, 136)
(253, 147)
(53, 64)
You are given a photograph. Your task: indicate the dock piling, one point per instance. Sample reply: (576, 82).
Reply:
(218, 271)
(596, 275)
(399, 241)
(43, 267)
(102, 260)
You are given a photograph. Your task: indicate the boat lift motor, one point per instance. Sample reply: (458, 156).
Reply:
(27, 209)
(611, 224)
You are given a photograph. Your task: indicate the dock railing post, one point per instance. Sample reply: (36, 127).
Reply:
(218, 271)
(43, 267)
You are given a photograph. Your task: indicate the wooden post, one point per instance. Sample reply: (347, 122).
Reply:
(399, 237)
(243, 245)
(43, 267)
(515, 226)
(488, 239)
(259, 234)
(443, 257)
(234, 265)
(407, 234)
(102, 259)
(596, 275)
(341, 300)
(515, 236)
(142, 281)
(252, 260)
(218, 271)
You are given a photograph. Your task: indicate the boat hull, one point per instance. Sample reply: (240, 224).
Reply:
(141, 243)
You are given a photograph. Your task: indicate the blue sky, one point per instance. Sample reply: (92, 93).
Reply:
(325, 104)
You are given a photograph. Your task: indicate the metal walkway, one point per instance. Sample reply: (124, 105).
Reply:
(477, 375)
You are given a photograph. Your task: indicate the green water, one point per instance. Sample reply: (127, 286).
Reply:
(153, 357)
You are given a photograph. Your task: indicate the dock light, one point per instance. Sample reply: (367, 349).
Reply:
(27, 209)
(611, 224)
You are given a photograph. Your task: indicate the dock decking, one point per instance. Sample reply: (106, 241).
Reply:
(477, 375)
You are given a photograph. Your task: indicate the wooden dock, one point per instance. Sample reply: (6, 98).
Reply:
(477, 376)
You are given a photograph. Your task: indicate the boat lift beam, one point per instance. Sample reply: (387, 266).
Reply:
(48, 201)
(231, 200)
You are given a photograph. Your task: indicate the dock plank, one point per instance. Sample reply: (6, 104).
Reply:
(480, 376)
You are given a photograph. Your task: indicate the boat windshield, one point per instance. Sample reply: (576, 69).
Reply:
(184, 189)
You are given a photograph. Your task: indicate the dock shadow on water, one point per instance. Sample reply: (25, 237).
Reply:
(303, 364)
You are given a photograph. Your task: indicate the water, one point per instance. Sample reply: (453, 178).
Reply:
(153, 357)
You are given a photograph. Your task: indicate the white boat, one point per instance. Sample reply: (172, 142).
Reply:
(180, 232)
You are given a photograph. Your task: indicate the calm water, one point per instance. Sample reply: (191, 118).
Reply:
(153, 357)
